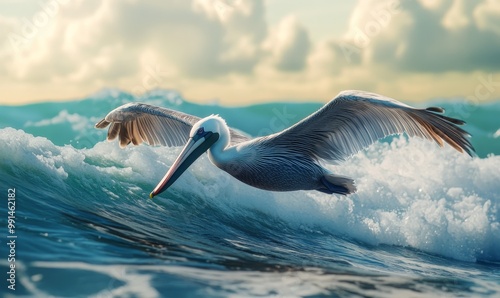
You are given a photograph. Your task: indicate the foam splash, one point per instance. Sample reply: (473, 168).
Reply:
(410, 193)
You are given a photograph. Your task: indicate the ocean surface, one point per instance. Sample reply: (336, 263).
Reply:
(425, 221)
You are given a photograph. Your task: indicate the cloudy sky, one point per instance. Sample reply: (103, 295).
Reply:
(246, 51)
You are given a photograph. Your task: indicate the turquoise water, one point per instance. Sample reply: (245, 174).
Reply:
(425, 221)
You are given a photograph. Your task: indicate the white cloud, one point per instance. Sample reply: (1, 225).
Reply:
(104, 40)
(289, 45)
(458, 15)
(227, 49)
(425, 38)
(433, 4)
(487, 16)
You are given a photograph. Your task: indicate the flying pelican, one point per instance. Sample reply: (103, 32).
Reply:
(288, 160)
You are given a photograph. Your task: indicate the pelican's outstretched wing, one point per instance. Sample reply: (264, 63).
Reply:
(355, 119)
(138, 122)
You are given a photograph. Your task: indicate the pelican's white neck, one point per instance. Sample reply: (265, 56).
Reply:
(220, 152)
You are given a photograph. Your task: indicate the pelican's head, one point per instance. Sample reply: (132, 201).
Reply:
(202, 136)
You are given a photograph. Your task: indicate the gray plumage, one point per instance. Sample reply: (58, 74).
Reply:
(290, 159)
(139, 122)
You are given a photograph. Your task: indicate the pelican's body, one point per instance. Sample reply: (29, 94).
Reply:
(258, 163)
(287, 160)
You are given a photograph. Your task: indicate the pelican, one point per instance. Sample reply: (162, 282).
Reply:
(291, 159)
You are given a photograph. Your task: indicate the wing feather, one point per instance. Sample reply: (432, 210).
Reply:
(355, 119)
(113, 131)
(138, 123)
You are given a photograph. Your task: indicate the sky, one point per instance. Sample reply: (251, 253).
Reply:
(238, 52)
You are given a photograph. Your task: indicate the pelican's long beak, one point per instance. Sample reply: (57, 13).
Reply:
(191, 151)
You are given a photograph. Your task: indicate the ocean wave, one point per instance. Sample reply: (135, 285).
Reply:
(71, 122)
(424, 222)
(411, 193)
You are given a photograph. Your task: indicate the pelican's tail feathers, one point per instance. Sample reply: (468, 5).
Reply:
(337, 184)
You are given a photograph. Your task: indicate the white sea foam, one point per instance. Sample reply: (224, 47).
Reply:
(77, 122)
(138, 280)
(497, 134)
(409, 193)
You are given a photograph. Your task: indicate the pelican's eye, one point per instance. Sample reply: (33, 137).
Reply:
(200, 131)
